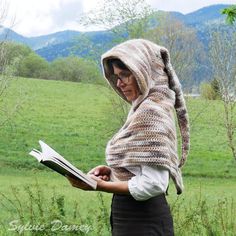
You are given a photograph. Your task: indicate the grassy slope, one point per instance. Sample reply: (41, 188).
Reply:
(77, 120)
(68, 116)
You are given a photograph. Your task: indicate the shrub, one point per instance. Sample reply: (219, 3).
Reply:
(210, 91)
(74, 69)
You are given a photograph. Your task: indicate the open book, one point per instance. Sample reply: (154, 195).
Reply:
(56, 162)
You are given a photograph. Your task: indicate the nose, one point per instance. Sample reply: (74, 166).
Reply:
(119, 83)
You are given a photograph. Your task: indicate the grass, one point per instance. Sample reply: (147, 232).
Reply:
(77, 120)
(207, 204)
(69, 116)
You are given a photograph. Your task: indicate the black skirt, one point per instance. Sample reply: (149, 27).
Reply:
(140, 218)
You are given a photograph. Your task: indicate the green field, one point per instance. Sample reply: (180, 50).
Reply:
(77, 120)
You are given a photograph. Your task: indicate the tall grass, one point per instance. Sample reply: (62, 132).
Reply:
(32, 211)
(201, 217)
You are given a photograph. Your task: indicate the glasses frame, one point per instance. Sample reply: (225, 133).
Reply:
(124, 77)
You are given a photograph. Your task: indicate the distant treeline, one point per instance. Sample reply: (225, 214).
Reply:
(20, 60)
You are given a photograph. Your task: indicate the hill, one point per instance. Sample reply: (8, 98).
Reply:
(78, 119)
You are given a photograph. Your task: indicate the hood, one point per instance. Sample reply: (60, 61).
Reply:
(144, 59)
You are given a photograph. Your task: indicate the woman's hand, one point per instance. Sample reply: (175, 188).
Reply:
(102, 172)
(78, 183)
(82, 185)
(120, 187)
(99, 173)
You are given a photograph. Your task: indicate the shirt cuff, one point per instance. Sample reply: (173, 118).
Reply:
(144, 186)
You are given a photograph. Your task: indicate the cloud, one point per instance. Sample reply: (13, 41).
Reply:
(39, 17)
(67, 12)
(35, 18)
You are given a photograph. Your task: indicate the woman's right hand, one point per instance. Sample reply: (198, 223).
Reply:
(102, 172)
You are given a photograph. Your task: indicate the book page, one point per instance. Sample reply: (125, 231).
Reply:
(37, 154)
(50, 154)
(64, 170)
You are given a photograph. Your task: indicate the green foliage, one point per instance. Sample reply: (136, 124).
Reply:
(42, 213)
(13, 54)
(77, 119)
(20, 60)
(210, 91)
(32, 66)
(15, 50)
(207, 91)
(201, 217)
(216, 87)
(74, 69)
(231, 14)
(206, 208)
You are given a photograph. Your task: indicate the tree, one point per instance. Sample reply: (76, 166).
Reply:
(32, 66)
(125, 18)
(75, 69)
(5, 73)
(185, 49)
(14, 53)
(231, 14)
(223, 59)
(210, 91)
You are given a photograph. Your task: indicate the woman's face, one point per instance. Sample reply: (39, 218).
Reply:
(127, 83)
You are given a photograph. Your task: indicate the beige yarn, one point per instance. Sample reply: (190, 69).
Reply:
(148, 136)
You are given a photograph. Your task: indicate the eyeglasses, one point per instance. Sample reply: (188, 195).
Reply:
(124, 76)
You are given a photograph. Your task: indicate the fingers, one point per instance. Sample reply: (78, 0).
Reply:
(105, 178)
(100, 170)
(95, 170)
(92, 171)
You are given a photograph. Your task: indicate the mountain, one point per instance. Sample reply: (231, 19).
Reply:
(40, 41)
(65, 43)
(11, 35)
(76, 45)
(52, 39)
(61, 43)
(205, 15)
(202, 20)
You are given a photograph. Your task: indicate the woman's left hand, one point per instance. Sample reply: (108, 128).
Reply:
(82, 185)
(119, 187)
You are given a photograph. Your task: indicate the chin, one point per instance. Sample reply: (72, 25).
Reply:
(130, 99)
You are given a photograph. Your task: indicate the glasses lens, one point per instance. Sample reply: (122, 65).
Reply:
(124, 77)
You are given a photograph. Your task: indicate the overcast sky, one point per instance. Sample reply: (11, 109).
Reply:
(39, 17)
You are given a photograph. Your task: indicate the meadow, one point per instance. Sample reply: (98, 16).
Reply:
(77, 120)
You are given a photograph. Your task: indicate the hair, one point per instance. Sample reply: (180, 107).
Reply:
(117, 63)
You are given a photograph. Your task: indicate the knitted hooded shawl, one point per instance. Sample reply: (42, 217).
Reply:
(148, 136)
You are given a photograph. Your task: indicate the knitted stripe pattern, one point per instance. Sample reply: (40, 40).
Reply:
(148, 136)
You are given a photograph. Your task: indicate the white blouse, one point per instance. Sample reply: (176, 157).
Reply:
(149, 181)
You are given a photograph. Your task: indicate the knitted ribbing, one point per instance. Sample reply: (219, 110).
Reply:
(148, 135)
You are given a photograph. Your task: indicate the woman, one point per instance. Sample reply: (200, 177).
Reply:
(143, 154)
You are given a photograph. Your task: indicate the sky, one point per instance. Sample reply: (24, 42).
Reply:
(39, 17)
